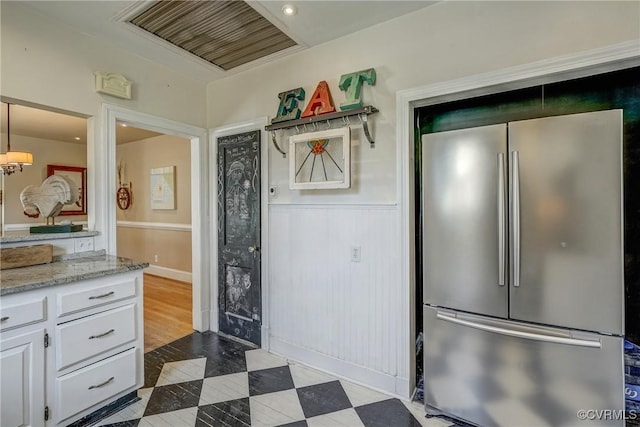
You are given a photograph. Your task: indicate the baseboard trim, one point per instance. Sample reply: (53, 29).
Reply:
(385, 383)
(265, 336)
(403, 389)
(169, 273)
(201, 319)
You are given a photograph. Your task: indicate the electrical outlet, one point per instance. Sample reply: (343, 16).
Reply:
(356, 254)
(155, 258)
(83, 244)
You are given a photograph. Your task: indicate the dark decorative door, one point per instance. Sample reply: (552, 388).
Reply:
(239, 296)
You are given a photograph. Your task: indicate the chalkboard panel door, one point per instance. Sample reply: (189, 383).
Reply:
(239, 296)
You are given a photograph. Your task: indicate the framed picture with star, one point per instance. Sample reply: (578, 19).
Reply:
(320, 160)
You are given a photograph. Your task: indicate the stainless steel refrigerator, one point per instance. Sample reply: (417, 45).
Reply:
(523, 272)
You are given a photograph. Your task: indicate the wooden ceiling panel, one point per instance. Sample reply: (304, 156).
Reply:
(225, 33)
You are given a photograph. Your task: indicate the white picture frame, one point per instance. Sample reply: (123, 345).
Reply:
(320, 160)
(163, 188)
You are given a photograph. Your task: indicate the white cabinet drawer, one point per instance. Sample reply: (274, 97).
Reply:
(23, 313)
(83, 338)
(89, 386)
(95, 296)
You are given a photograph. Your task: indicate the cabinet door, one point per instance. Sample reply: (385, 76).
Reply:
(22, 380)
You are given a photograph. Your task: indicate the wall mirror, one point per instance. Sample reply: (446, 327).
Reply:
(53, 137)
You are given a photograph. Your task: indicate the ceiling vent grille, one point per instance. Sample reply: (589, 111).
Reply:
(225, 33)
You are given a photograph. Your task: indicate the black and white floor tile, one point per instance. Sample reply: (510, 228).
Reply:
(207, 380)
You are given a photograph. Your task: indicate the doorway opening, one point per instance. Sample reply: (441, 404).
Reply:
(165, 174)
(153, 224)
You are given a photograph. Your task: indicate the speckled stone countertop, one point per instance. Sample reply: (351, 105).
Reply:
(22, 237)
(57, 273)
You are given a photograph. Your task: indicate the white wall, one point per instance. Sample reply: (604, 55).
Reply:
(331, 312)
(44, 62)
(440, 43)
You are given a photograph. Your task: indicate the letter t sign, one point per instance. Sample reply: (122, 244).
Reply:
(352, 85)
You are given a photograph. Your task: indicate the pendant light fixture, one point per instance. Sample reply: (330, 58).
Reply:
(12, 161)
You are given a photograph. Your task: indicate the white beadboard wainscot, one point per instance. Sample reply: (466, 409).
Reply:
(332, 313)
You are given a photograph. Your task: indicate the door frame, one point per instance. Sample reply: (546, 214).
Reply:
(551, 70)
(103, 157)
(231, 129)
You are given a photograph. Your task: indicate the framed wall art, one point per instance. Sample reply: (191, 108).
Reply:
(79, 176)
(163, 188)
(320, 160)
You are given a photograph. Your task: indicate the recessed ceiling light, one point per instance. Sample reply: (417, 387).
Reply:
(289, 9)
(77, 138)
(124, 125)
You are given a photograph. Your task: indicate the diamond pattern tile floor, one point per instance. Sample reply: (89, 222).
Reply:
(323, 398)
(270, 380)
(205, 380)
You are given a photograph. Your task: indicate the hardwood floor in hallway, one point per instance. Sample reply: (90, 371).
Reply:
(167, 311)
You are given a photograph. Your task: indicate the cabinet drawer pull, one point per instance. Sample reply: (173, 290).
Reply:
(102, 384)
(110, 331)
(103, 295)
(4, 319)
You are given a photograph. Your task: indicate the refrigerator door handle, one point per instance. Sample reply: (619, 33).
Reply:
(519, 334)
(501, 220)
(515, 194)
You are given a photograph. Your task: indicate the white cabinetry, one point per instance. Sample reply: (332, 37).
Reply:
(96, 383)
(94, 330)
(22, 313)
(22, 380)
(93, 335)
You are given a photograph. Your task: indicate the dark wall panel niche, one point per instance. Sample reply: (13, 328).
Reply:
(620, 89)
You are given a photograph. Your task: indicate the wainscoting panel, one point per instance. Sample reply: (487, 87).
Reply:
(328, 309)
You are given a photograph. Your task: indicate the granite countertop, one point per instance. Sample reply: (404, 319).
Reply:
(22, 279)
(11, 237)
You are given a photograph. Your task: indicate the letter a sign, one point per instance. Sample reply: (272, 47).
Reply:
(320, 102)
